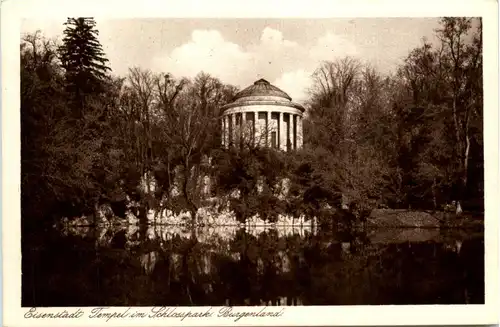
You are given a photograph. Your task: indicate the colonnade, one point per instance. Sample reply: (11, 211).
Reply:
(281, 130)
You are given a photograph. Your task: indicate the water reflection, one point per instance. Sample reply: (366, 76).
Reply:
(162, 233)
(178, 266)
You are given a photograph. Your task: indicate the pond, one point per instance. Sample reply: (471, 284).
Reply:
(172, 266)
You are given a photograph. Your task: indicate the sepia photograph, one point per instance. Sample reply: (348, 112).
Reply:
(251, 162)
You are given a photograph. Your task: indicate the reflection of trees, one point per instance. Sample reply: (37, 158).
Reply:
(232, 267)
(148, 261)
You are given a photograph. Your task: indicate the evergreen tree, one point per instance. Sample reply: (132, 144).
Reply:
(83, 58)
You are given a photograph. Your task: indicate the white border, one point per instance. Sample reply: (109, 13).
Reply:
(13, 10)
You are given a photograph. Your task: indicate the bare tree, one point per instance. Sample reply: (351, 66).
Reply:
(142, 84)
(462, 56)
(192, 127)
(444, 85)
(332, 98)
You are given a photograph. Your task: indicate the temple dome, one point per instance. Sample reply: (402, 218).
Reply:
(261, 88)
(262, 115)
(262, 93)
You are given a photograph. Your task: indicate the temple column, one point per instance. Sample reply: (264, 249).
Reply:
(226, 130)
(244, 128)
(299, 132)
(234, 133)
(223, 134)
(282, 132)
(268, 130)
(228, 136)
(255, 126)
(293, 130)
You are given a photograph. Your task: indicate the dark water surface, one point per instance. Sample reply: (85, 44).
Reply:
(165, 265)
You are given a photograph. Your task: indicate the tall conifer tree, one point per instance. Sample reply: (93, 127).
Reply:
(83, 58)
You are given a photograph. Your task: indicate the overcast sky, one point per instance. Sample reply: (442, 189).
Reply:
(239, 51)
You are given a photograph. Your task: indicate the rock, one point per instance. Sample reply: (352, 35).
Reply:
(402, 218)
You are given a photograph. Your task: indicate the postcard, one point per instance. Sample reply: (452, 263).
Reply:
(263, 163)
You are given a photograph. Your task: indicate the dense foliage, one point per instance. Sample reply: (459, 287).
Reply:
(412, 139)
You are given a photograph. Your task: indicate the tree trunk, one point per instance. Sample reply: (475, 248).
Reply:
(187, 198)
(464, 165)
(466, 162)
